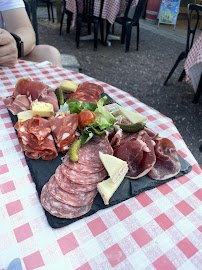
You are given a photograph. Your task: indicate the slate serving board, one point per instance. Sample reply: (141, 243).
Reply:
(42, 170)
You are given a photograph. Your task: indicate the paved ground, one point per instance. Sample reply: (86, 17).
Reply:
(141, 73)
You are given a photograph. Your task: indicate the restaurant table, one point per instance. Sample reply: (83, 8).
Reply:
(111, 9)
(158, 229)
(193, 66)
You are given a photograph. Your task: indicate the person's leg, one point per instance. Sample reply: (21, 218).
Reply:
(44, 53)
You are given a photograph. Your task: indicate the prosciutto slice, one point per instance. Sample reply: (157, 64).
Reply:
(167, 162)
(27, 91)
(138, 152)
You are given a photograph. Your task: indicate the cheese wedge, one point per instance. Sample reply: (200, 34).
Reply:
(133, 117)
(107, 188)
(114, 166)
(42, 109)
(25, 115)
(68, 86)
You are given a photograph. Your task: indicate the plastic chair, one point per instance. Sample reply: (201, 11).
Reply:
(127, 23)
(49, 7)
(69, 18)
(86, 15)
(190, 38)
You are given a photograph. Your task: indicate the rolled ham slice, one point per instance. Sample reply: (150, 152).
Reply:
(167, 162)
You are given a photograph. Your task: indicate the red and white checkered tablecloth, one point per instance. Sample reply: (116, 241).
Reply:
(159, 229)
(193, 64)
(110, 8)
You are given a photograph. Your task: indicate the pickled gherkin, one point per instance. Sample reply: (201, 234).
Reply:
(60, 97)
(132, 127)
(73, 151)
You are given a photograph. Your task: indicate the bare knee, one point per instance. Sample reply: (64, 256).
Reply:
(45, 53)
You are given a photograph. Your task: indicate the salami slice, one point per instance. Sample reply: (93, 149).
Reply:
(91, 86)
(69, 186)
(59, 209)
(89, 152)
(64, 129)
(83, 198)
(83, 178)
(80, 167)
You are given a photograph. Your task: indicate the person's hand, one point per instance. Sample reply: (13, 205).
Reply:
(8, 49)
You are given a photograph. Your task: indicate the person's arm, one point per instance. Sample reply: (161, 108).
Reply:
(17, 21)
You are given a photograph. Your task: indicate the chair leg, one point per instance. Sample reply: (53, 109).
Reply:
(138, 36)
(78, 31)
(69, 20)
(89, 28)
(96, 27)
(48, 7)
(180, 57)
(102, 31)
(107, 32)
(61, 22)
(198, 92)
(128, 36)
(182, 76)
(123, 34)
(51, 6)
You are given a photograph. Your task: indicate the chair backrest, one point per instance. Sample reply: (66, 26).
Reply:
(138, 10)
(86, 8)
(192, 9)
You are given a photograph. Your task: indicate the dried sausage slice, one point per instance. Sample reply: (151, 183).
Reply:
(64, 130)
(83, 178)
(89, 152)
(69, 186)
(83, 198)
(59, 209)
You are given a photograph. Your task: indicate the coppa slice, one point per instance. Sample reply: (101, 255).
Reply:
(83, 178)
(70, 186)
(79, 199)
(167, 162)
(59, 209)
(89, 152)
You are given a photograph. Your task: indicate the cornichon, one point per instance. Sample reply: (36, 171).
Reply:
(132, 127)
(73, 151)
(60, 97)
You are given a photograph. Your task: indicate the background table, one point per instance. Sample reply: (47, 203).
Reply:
(158, 229)
(193, 64)
(110, 8)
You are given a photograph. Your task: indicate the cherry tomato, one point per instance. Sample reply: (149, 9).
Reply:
(85, 117)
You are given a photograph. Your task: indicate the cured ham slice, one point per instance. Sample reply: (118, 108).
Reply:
(61, 210)
(27, 91)
(87, 92)
(167, 162)
(138, 153)
(16, 105)
(64, 128)
(80, 199)
(35, 138)
(69, 186)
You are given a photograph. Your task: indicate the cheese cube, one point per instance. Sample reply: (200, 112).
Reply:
(133, 117)
(42, 109)
(68, 86)
(25, 115)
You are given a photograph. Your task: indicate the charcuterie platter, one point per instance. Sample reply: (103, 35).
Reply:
(51, 170)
